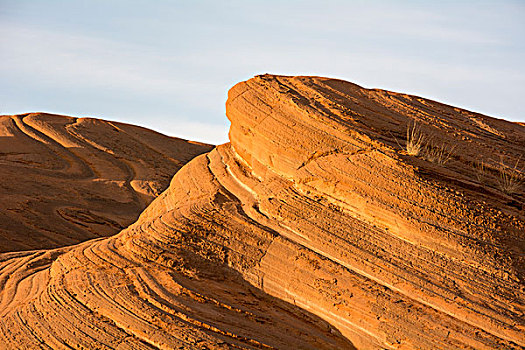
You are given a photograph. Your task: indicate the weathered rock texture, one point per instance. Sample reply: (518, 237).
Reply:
(65, 180)
(313, 228)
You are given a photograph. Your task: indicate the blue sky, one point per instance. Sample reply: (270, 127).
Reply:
(168, 65)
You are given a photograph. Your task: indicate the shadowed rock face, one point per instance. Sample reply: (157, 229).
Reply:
(66, 180)
(313, 228)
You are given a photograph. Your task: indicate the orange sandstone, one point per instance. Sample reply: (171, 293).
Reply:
(66, 180)
(312, 228)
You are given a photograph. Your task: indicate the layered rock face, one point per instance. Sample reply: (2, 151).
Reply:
(66, 180)
(313, 228)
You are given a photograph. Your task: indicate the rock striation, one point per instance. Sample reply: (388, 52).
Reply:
(66, 180)
(313, 228)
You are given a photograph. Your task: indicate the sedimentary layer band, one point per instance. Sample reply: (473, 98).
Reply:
(314, 228)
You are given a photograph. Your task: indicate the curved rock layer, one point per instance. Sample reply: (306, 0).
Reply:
(313, 228)
(66, 180)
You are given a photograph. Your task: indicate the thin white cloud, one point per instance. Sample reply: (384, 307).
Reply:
(80, 60)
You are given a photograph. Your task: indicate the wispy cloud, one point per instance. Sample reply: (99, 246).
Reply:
(91, 61)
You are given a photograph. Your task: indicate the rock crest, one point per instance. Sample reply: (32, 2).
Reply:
(312, 228)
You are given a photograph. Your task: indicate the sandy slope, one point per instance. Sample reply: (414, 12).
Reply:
(65, 180)
(313, 228)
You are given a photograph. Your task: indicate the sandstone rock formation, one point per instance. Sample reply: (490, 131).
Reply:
(313, 228)
(65, 180)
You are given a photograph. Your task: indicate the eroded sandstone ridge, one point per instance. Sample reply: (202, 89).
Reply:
(65, 180)
(313, 229)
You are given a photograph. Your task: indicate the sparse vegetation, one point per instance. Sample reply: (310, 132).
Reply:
(510, 179)
(479, 167)
(438, 153)
(433, 152)
(414, 143)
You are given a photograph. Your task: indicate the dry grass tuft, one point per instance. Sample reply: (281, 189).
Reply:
(480, 171)
(414, 143)
(510, 179)
(438, 153)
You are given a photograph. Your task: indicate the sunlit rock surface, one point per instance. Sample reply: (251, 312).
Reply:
(64, 180)
(312, 229)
